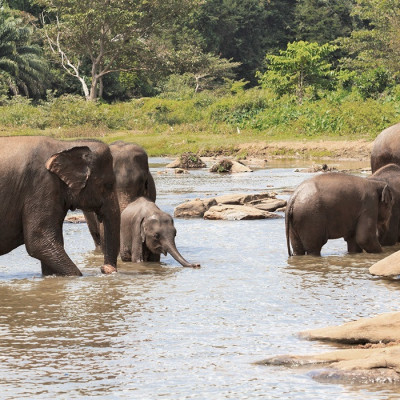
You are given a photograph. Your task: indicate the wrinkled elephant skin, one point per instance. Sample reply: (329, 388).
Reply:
(147, 232)
(40, 180)
(133, 179)
(334, 205)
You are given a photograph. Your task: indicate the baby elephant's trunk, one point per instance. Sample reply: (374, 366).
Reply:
(171, 249)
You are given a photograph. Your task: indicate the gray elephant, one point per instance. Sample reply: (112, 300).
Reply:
(334, 205)
(40, 180)
(146, 232)
(133, 179)
(390, 174)
(386, 148)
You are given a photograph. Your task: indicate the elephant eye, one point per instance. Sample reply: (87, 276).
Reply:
(156, 236)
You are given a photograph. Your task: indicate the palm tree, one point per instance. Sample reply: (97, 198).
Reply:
(22, 66)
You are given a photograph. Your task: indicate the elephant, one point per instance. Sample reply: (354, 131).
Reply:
(146, 232)
(133, 179)
(390, 174)
(334, 205)
(386, 148)
(40, 180)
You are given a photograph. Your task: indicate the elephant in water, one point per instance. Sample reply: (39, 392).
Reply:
(40, 180)
(390, 174)
(334, 205)
(146, 232)
(133, 179)
(386, 148)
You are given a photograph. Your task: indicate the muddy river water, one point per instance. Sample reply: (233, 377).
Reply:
(162, 331)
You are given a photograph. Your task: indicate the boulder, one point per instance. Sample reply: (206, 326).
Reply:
(383, 328)
(388, 266)
(226, 165)
(193, 208)
(232, 212)
(254, 206)
(186, 161)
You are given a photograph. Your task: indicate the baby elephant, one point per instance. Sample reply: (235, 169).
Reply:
(335, 205)
(146, 232)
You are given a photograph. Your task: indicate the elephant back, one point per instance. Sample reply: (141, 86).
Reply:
(386, 148)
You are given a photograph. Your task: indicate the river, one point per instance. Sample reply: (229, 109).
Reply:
(162, 331)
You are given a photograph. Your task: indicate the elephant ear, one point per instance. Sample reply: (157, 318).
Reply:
(72, 166)
(147, 225)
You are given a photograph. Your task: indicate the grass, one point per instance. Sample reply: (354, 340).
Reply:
(208, 123)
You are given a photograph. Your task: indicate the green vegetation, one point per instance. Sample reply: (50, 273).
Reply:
(200, 76)
(206, 122)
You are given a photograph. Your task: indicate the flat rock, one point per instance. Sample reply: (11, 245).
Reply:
(75, 219)
(270, 204)
(357, 365)
(388, 266)
(231, 212)
(383, 328)
(243, 198)
(258, 206)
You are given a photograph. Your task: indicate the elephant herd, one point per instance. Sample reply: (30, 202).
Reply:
(363, 211)
(42, 178)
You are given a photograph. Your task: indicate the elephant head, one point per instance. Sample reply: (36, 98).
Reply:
(88, 175)
(158, 234)
(133, 177)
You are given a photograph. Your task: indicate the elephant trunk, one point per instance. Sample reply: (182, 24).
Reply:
(111, 219)
(171, 249)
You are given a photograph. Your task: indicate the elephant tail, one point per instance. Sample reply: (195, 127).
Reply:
(288, 224)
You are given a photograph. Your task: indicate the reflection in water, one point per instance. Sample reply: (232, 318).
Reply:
(160, 330)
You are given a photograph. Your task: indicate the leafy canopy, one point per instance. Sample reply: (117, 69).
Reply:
(301, 65)
(22, 67)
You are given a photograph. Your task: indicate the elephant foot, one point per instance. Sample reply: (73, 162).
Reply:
(108, 269)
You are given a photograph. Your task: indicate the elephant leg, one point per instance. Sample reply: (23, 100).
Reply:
(297, 246)
(367, 238)
(46, 243)
(311, 235)
(46, 270)
(390, 237)
(94, 228)
(352, 246)
(153, 257)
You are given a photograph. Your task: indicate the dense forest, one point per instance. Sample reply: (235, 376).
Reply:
(121, 49)
(308, 67)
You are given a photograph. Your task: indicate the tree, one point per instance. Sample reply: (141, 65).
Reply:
(112, 35)
(22, 66)
(300, 66)
(322, 21)
(376, 42)
(245, 30)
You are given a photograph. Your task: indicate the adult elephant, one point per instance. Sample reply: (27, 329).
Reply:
(390, 174)
(40, 180)
(386, 148)
(133, 179)
(335, 205)
(147, 232)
